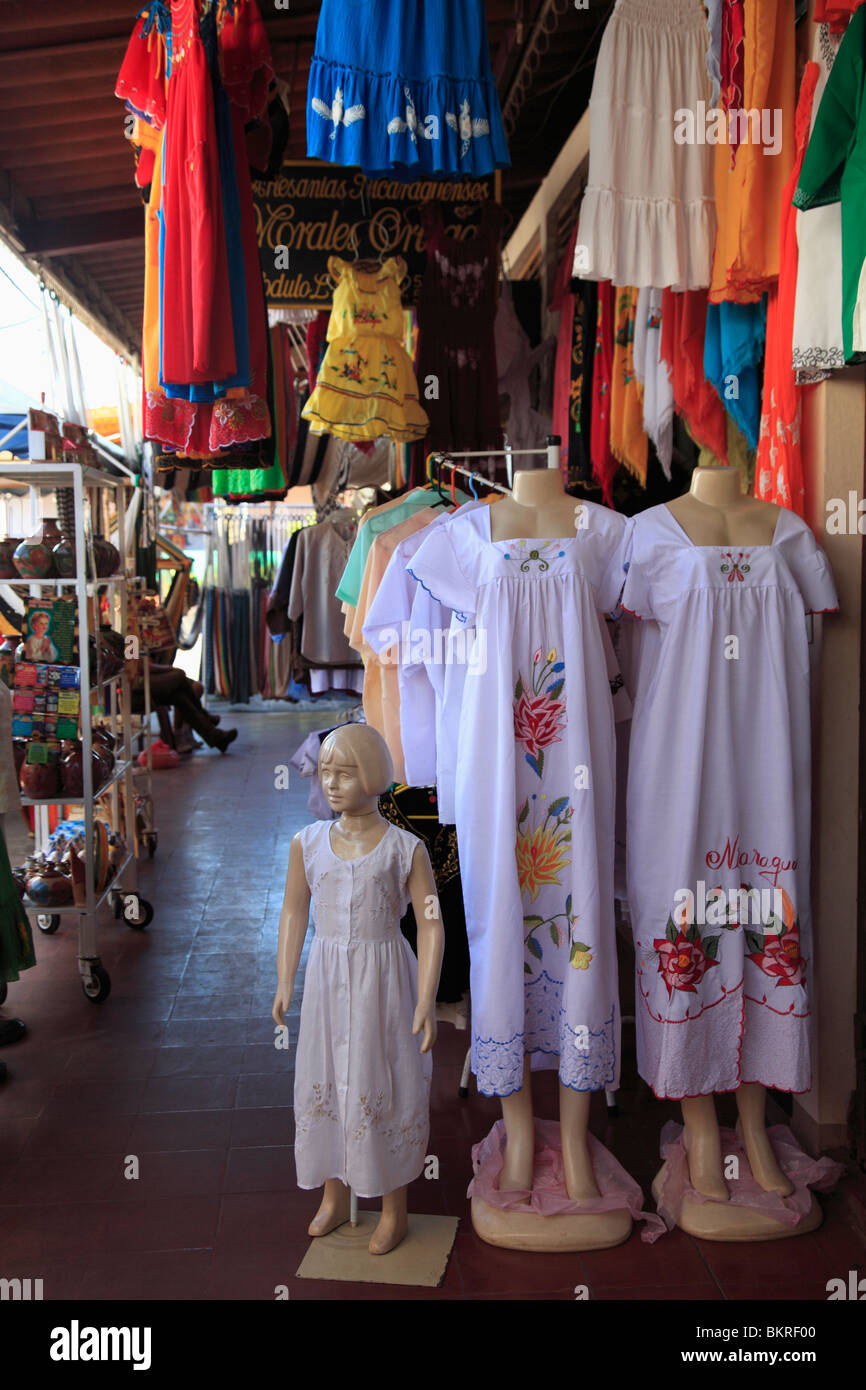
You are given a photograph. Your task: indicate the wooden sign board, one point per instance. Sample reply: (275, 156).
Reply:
(313, 210)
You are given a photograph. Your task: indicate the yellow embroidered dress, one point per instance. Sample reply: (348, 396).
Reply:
(366, 386)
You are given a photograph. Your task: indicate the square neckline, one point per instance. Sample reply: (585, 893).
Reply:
(517, 540)
(760, 545)
(358, 858)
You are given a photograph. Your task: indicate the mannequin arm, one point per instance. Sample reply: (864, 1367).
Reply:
(431, 944)
(294, 919)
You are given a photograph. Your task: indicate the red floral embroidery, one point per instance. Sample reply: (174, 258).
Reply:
(682, 962)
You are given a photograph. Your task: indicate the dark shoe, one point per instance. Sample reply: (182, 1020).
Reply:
(11, 1030)
(214, 718)
(222, 741)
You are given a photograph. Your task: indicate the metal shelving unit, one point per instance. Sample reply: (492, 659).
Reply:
(122, 891)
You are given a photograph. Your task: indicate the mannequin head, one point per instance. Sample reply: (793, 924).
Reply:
(355, 767)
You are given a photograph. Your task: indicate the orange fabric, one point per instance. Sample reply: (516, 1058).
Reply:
(749, 195)
(628, 438)
(779, 466)
(381, 681)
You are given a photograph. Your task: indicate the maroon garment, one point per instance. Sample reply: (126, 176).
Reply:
(456, 313)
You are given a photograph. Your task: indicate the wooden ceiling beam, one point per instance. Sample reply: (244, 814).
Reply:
(68, 235)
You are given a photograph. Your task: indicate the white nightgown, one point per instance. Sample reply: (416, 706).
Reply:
(362, 1087)
(719, 799)
(534, 793)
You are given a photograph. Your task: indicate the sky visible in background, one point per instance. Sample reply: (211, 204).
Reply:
(24, 361)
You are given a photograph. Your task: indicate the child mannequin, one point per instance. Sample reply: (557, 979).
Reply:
(361, 1085)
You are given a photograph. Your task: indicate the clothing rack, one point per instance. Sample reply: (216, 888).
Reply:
(551, 451)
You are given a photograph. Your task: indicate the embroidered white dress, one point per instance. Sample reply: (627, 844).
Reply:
(534, 794)
(719, 799)
(362, 1087)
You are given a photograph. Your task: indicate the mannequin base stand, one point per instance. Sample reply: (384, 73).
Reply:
(726, 1221)
(517, 1230)
(421, 1259)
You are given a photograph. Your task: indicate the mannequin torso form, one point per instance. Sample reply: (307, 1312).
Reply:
(715, 512)
(539, 508)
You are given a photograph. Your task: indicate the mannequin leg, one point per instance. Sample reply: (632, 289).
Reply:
(573, 1119)
(334, 1210)
(520, 1137)
(704, 1147)
(393, 1223)
(752, 1132)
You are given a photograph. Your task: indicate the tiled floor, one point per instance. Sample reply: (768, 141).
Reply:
(178, 1068)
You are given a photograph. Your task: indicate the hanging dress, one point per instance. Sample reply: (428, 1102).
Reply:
(405, 89)
(362, 1086)
(647, 216)
(456, 319)
(534, 797)
(719, 794)
(366, 386)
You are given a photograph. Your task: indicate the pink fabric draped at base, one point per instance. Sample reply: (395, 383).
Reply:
(803, 1171)
(548, 1196)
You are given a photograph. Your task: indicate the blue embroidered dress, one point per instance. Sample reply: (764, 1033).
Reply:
(534, 795)
(406, 89)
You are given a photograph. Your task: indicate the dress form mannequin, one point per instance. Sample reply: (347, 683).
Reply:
(353, 772)
(539, 508)
(716, 512)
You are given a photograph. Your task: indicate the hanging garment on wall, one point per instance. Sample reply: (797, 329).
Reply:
(733, 352)
(577, 304)
(684, 330)
(204, 347)
(405, 89)
(604, 465)
(320, 558)
(818, 348)
(836, 13)
(647, 216)
(748, 190)
(366, 386)
(723, 999)
(457, 351)
(779, 466)
(653, 375)
(833, 171)
(628, 440)
(539, 920)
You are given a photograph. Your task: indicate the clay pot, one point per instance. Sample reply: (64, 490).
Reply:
(64, 558)
(40, 780)
(19, 751)
(7, 550)
(51, 532)
(106, 558)
(34, 559)
(48, 887)
(104, 736)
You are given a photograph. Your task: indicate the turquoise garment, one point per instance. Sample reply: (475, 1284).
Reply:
(349, 587)
(733, 349)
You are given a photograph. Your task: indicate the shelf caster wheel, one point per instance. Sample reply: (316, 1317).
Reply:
(136, 912)
(97, 986)
(4, 990)
(152, 843)
(48, 922)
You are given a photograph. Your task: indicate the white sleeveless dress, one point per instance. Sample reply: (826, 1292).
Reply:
(362, 1087)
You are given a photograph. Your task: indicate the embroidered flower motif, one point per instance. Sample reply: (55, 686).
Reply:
(540, 716)
(540, 859)
(683, 962)
(736, 567)
(777, 951)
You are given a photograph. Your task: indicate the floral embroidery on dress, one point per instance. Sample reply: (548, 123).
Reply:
(540, 716)
(776, 950)
(735, 566)
(543, 850)
(530, 554)
(321, 1108)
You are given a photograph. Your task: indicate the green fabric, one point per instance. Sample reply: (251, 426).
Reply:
(834, 166)
(16, 938)
(245, 482)
(349, 587)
